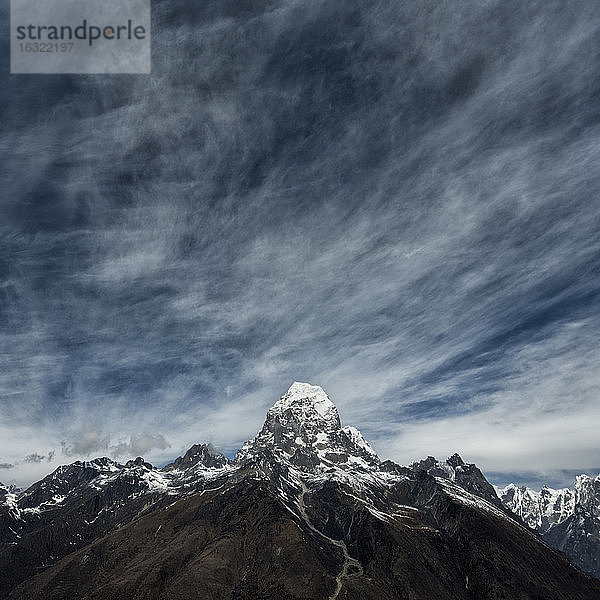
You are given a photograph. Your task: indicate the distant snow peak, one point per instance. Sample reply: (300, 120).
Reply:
(568, 519)
(587, 493)
(549, 507)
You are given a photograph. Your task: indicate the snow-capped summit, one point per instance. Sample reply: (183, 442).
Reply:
(548, 507)
(306, 403)
(587, 493)
(7, 494)
(540, 510)
(568, 519)
(303, 427)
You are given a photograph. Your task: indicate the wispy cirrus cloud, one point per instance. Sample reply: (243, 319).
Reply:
(352, 196)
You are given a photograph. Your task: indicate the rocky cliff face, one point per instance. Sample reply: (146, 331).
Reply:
(467, 476)
(307, 510)
(303, 428)
(569, 520)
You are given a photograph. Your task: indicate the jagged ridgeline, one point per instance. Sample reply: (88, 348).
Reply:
(568, 519)
(306, 510)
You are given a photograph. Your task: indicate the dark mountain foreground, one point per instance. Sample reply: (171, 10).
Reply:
(306, 511)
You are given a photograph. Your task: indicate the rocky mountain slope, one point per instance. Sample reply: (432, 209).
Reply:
(569, 520)
(307, 510)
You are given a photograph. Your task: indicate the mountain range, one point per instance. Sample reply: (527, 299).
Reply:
(307, 510)
(568, 519)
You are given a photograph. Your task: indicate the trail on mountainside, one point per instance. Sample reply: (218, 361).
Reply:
(351, 567)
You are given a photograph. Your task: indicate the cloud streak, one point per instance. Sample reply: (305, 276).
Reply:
(355, 197)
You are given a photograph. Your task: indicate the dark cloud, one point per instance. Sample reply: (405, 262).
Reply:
(34, 458)
(398, 201)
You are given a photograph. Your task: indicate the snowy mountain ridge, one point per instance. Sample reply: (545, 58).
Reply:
(301, 452)
(548, 507)
(302, 437)
(540, 510)
(304, 429)
(303, 432)
(568, 519)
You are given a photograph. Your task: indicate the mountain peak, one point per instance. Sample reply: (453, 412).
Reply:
(304, 427)
(455, 460)
(466, 475)
(306, 402)
(139, 462)
(200, 456)
(299, 389)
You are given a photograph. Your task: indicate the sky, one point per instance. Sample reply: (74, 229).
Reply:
(398, 201)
